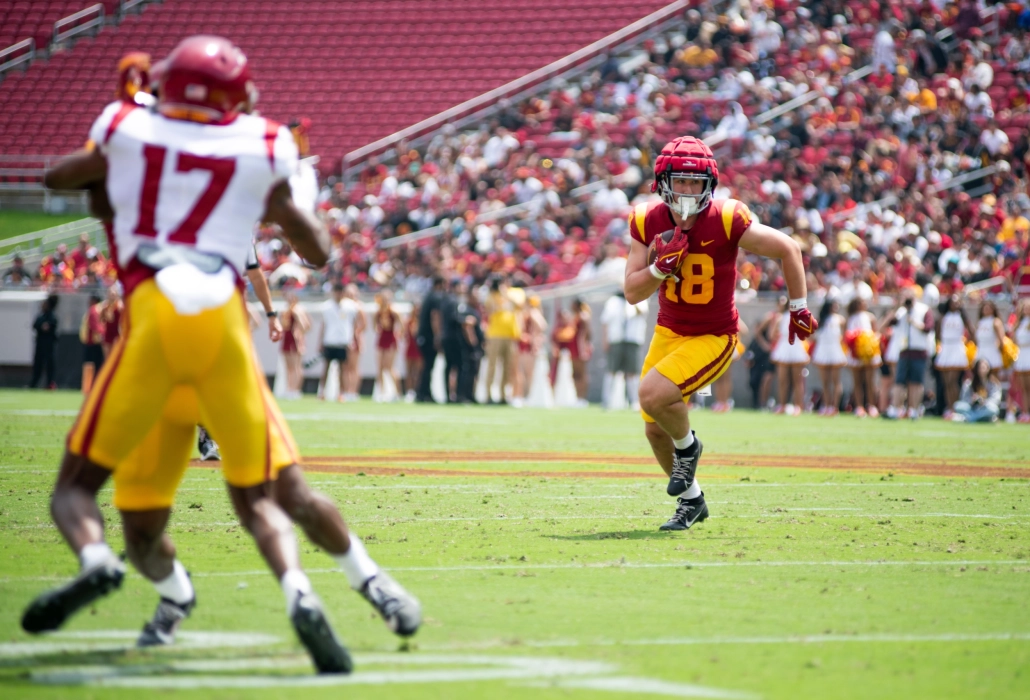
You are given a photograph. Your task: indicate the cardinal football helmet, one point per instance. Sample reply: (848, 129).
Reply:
(685, 158)
(205, 78)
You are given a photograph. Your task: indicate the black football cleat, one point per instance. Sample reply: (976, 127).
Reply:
(399, 609)
(684, 466)
(51, 609)
(688, 512)
(317, 636)
(160, 631)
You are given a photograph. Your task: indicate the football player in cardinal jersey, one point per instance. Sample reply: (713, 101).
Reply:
(187, 182)
(685, 248)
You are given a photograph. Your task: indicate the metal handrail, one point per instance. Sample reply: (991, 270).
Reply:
(33, 246)
(536, 77)
(60, 35)
(860, 209)
(6, 65)
(964, 178)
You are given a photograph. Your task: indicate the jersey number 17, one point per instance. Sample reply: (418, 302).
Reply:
(221, 170)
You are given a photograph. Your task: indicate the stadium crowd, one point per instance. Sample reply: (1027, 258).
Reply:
(909, 175)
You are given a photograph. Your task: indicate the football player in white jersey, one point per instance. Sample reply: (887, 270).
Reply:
(187, 182)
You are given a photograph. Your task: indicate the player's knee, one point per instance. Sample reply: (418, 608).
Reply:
(653, 399)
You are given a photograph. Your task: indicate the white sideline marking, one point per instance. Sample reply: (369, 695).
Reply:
(603, 565)
(649, 686)
(383, 418)
(117, 640)
(886, 638)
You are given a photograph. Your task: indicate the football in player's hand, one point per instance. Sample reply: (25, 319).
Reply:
(652, 252)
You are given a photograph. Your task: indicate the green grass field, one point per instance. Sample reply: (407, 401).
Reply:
(843, 559)
(14, 223)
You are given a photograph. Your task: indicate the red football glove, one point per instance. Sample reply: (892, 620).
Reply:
(669, 255)
(802, 325)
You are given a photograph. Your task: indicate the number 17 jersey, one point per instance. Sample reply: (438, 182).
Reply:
(179, 182)
(701, 301)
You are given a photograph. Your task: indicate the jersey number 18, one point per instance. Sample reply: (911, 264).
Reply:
(697, 285)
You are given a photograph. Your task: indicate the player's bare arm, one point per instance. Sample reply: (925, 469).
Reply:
(78, 171)
(770, 243)
(264, 295)
(767, 241)
(306, 233)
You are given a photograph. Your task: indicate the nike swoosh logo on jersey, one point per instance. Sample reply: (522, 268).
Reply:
(704, 243)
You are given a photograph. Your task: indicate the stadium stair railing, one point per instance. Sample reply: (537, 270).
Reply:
(481, 106)
(32, 247)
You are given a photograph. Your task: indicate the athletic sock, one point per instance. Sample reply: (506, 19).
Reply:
(356, 564)
(295, 583)
(177, 587)
(685, 442)
(94, 554)
(693, 492)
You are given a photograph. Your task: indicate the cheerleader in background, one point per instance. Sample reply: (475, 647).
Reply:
(386, 322)
(952, 360)
(990, 336)
(829, 355)
(864, 350)
(1020, 335)
(790, 361)
(724, 385)
(412, 356)
(295, 325)
(891, 353)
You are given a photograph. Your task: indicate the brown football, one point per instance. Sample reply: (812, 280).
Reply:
(652, 254)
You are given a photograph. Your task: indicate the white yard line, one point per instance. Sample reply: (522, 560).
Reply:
(526, 566)
(884, 638)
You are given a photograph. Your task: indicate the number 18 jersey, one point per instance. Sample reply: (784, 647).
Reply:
(179, 182)
(701, 302)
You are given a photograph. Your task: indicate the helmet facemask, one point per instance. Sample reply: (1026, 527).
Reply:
(685, 205)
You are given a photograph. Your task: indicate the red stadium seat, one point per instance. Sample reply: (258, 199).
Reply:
(397, 63)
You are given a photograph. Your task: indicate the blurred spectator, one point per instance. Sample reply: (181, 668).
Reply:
(790, 359)
(952, 359)
(44, 359)
(980, 400)
(534, 333)
(357, 323)
(930, 57)
(295, 324)
(1020, 335)
(386, 323)
(829, 355)
(412, 354)
(990, 335)
(91, 335)
(864, 356)
(584, 345)
(915, 326)
(17, 275)
(111, 315)
(337, 336)
(623, 333)
(430, 336)
(502, 331)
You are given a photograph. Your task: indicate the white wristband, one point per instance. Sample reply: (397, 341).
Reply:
(798, 304)
(657, 275)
